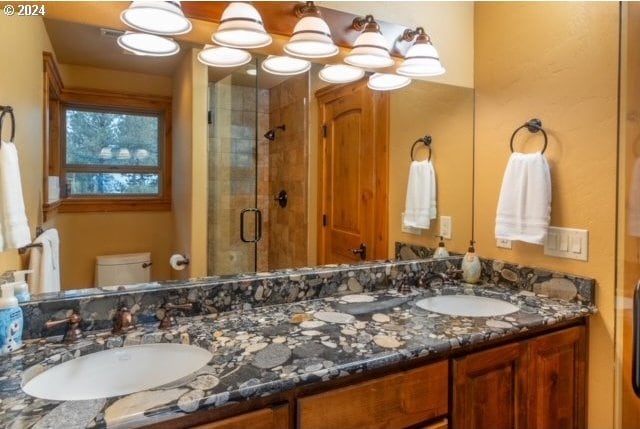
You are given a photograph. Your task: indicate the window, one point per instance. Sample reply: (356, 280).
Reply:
(111, 153)
(114, 152)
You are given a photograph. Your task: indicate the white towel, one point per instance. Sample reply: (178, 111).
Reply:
(14, 227)
(45, 263)
(524, 207)
(633, 207)
(420, 203)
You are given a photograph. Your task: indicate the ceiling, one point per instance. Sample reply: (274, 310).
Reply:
(85, 45)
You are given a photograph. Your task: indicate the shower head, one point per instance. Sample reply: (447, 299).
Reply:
(271, 134)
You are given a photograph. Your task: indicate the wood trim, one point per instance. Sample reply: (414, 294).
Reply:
(82, 205)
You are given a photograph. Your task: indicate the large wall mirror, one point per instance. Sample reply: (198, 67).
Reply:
(257, 205)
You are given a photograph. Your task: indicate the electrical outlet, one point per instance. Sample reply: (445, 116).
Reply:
(505, 244)
(445, 227)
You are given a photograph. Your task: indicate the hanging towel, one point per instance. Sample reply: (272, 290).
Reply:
(420, 203)
(633, 207)
(14, 228)
(45, 263)
(524, 207)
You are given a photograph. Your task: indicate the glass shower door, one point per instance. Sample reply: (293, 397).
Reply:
(234, 220)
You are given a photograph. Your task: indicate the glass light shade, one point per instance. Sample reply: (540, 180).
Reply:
(340, 73)
(387, 81)
(220, 56)
(285, 66)
(421, 60)
(311, 39)
(123, 154)
(159, 17)
(142, 154)
(148, 44)
(105, 153)
(369, 52)
(241, 27)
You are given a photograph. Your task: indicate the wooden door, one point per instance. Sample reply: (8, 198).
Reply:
(490, 389)
(557, 391)
(353, 174)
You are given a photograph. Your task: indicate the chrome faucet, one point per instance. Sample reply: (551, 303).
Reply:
(74, 330)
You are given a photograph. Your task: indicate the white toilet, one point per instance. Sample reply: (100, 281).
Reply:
(123, 269)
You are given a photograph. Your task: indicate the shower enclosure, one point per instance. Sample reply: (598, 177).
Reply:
(257, 154)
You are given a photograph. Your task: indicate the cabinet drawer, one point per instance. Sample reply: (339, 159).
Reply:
(394, 401)
(266, 418)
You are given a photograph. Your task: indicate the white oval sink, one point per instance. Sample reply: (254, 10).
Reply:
(467, 305)
(117, 372)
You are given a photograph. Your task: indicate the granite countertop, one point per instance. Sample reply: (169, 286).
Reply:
(272, 349)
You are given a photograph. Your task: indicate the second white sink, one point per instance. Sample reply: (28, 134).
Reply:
(467, 305)
(117, 372)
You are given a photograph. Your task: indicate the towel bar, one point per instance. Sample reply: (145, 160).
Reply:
(426, 140)
(533, 125)
(23, 250)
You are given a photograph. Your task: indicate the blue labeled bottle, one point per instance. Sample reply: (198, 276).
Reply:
(11, 320)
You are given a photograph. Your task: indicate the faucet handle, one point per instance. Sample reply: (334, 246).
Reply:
(74, 330)
(167, 319)
(123, 321)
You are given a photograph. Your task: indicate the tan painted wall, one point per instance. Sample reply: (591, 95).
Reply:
(446, 113)
(21, 87)
(558, 62)
(189, 187)
(450, 25)
(75, 76)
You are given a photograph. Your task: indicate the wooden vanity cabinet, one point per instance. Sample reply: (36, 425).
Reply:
(534, 384)
(405, 399)
(276, 417)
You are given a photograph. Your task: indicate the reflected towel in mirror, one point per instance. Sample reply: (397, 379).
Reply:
(45, 263)
(420, 203)
(14, 227)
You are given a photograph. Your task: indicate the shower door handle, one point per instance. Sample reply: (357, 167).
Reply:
(257, 235)
(635, 359)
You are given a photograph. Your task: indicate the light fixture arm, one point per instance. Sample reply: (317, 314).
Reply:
(366, 23)
(419, 34)
(307, 9)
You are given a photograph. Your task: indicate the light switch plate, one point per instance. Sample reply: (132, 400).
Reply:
(445, 227)
(567, 243)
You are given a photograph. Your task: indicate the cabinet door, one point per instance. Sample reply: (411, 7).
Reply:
(556, 380)
(490, 389)
(266, 418)
(395, 401)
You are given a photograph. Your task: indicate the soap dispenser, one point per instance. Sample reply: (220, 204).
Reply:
(21, 288)
(471, 267)
(11, 321)
(441, 250)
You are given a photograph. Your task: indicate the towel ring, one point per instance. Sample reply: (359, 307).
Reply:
(9, 110)
(534, 125)
(426, 140)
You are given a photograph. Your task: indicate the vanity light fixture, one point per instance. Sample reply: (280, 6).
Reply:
(221, 56)
(241, 27)
(422, 58)
(340, 73)
(282, 65)
(387, 81)
(105, 153)
(123, 154)
(311, 36)
(148, 44)
(370, 48)
(158, 17)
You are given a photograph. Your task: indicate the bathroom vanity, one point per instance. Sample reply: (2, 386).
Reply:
(350, 350)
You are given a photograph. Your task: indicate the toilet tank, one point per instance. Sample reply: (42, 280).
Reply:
(123, 269)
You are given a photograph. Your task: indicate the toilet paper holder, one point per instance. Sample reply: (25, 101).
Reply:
(178, 262)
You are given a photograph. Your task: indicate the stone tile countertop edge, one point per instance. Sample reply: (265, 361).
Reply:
(272, 349)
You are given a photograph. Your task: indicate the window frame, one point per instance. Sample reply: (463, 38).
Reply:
(102, 101)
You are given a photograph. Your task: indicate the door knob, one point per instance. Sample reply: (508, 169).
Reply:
(362, 251)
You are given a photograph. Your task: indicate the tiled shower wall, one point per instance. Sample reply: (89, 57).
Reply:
(232, 177)
(288, 166)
